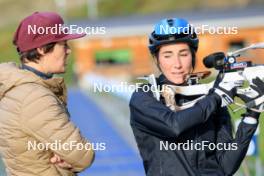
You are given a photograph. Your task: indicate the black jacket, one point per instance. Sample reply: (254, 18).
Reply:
(156, 126)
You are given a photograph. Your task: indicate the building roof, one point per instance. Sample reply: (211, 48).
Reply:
(143, 24)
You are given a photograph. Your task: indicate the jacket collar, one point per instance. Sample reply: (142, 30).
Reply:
(40, 74)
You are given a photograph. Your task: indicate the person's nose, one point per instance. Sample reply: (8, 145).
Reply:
(68, 50)
(177, 62)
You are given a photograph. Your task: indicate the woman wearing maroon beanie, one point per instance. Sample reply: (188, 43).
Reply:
(37, 137)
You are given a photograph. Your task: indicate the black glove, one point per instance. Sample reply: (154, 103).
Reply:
(258, 87)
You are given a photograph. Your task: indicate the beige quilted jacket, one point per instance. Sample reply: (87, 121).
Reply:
(33, 113)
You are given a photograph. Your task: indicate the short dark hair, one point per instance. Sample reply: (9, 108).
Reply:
(33, 55)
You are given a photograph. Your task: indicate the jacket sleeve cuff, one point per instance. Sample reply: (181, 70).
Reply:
(250, 120)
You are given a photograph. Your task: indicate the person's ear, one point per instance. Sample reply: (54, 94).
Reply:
(41, 51)
(156, 61)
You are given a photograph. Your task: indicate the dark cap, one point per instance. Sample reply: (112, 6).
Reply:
(39, 29)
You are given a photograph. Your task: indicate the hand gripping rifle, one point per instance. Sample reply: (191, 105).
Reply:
(229, 69)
